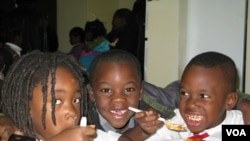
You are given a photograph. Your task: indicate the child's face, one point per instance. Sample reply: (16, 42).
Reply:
(67, 108)
(116, 86)
(74, 39)
(204, 97)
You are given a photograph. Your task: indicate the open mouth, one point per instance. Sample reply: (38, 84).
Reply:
(194, 120)
(195, 117)
(118, 113)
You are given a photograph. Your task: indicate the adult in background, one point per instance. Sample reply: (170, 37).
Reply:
(124, 33)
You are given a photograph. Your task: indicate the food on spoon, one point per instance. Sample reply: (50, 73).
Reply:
(176, 127)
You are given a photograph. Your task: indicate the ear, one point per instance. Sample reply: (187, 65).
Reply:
(91, 94)
(231, 101)
(141, 91)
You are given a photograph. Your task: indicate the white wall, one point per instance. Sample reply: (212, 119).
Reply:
(215, 25)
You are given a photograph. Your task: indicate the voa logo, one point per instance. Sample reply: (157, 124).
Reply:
(236, 132)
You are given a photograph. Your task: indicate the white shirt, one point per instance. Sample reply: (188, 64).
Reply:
(14, 47)
(106, 136)
(215, 134)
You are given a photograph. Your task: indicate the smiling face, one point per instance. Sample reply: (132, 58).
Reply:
(205, 96)
(67, 108)
(115, 87)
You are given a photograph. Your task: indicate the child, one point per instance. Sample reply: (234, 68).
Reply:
(207, 96)
(76, 39)
(44, 94)
(96, 42)
(115, 84)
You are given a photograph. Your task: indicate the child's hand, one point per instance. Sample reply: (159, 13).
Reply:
(77, 133)
(7, 128)
(148, 121)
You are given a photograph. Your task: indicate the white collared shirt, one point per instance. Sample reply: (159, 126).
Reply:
(215, 133)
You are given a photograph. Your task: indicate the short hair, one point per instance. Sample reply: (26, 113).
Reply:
(212, 59)
(77, 31)
(96, 27)
(32, 69)
(125, 13)
(115, 55)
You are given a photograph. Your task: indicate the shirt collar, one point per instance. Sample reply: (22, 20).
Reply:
(14, 47)
(106, 126)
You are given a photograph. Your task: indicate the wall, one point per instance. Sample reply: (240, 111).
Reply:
(213, 25)
(247, 86)
(70, 13)
(162, 46)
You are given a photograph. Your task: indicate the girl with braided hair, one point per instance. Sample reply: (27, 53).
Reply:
(44, 94)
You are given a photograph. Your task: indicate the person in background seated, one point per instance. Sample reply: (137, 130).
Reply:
(125, 31)
(96, 42)
(76, 39)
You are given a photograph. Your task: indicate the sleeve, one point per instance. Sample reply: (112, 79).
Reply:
(163, 100)
(165, 134)
(242, 96)
(168, 96)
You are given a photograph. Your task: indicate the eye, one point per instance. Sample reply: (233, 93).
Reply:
(129, 90)
(77, 100)
(105, 90)
(183, 93)
(58, 101)
(205, 96)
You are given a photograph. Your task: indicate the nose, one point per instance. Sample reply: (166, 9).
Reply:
(71, 111)
(192, 102)
(118, 96)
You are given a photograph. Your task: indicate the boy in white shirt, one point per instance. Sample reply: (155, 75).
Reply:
(207, 96)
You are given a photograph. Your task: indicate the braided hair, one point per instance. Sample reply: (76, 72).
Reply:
(30, 70)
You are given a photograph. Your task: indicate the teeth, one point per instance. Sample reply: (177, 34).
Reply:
(118, 112)
(194, 117)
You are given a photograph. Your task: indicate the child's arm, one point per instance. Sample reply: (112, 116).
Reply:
(243, 105)
(7, 128)
(148, 124)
